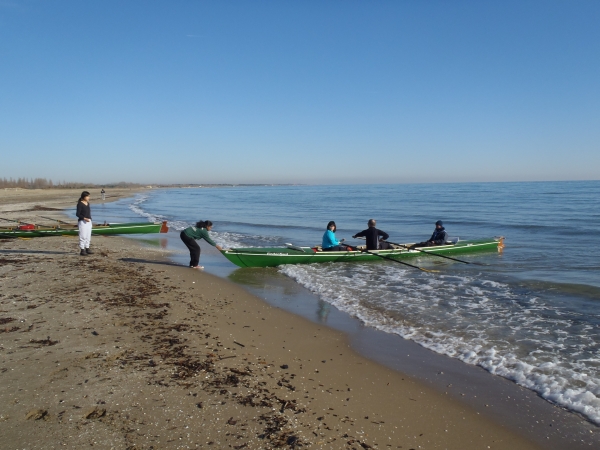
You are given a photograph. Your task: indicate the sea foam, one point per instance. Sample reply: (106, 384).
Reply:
(481, 322)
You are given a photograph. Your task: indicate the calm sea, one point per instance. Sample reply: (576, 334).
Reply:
(532, 315)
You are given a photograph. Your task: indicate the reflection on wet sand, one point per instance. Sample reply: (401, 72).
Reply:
(323, 311)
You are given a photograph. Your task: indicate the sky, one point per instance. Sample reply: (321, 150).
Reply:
(300, 91)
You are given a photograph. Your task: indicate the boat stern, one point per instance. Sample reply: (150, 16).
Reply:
(500, 243)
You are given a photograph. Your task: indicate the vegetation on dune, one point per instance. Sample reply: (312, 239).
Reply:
(43, 183)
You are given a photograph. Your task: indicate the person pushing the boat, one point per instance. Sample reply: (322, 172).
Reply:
(375, 238)
(330, 242)
(190, 235)
(439, 237)
(84, 223)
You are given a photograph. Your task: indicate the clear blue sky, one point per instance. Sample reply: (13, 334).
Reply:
(300, 91)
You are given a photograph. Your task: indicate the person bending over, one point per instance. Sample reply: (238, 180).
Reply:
(375, 238)
(438, 237)
(190, 235)
(330, 243)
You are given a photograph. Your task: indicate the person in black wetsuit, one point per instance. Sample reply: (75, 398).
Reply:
(439, 237)
(374, 237)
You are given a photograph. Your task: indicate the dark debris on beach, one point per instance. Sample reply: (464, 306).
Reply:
(237, 396)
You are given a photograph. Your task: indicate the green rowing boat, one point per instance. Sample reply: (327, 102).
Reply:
(276, 256)
(30, 231)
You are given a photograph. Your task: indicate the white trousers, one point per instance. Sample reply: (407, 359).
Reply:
(85, 233)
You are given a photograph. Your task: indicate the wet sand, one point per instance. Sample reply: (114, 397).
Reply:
(122, 349)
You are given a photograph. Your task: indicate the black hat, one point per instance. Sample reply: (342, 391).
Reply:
(440, 223)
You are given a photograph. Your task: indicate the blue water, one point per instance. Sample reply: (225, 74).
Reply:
(532, 315)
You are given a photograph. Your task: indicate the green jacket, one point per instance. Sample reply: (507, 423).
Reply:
(199, 233)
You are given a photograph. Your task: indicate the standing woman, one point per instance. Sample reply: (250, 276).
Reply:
(190, 235)
(84, 216)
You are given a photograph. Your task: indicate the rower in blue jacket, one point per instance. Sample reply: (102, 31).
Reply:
(439, 237)
(330, 243)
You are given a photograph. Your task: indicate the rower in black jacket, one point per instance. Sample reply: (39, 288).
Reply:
(439, 237)
(374, 237)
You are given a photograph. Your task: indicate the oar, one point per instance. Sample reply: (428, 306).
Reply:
(17, 221)
(392, 259)
(57, 220)
(294, 247)
(437, 254)
(10, 220)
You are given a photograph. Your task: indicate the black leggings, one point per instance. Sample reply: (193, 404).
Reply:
(194, 248)
(336, 248)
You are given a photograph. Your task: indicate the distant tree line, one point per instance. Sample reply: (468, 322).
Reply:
(43, 183)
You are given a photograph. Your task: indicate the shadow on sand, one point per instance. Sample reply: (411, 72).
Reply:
(150, 261)
(38, 252)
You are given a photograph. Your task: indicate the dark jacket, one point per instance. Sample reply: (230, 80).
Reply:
(83, 211)
(372, 236)
(439, 237)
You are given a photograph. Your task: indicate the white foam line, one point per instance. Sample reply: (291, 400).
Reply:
(136, 208)
(416, 312)
(223, 238)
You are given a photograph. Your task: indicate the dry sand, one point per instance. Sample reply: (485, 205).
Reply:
(26, 204)
(124, 350)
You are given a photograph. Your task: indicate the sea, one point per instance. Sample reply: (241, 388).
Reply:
(531, 314)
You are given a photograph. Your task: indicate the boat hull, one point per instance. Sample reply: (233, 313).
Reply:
(276, 256)
(72, 230)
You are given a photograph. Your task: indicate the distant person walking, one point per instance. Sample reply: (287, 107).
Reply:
(103, 193)
(84, 216)
(190, 235)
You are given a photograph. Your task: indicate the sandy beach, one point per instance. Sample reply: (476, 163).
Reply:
(123, 349)
(29, 204)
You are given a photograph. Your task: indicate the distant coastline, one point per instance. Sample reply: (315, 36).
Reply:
(43, 183)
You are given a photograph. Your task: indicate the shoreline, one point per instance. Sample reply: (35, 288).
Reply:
(497, 398)
(127, 365)
(472, 429)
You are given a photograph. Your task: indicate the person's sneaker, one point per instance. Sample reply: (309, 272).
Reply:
(197, 267)
(89, 251)
(83, 253)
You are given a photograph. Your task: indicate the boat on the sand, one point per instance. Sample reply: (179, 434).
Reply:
(291, 254)
(30, 231)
